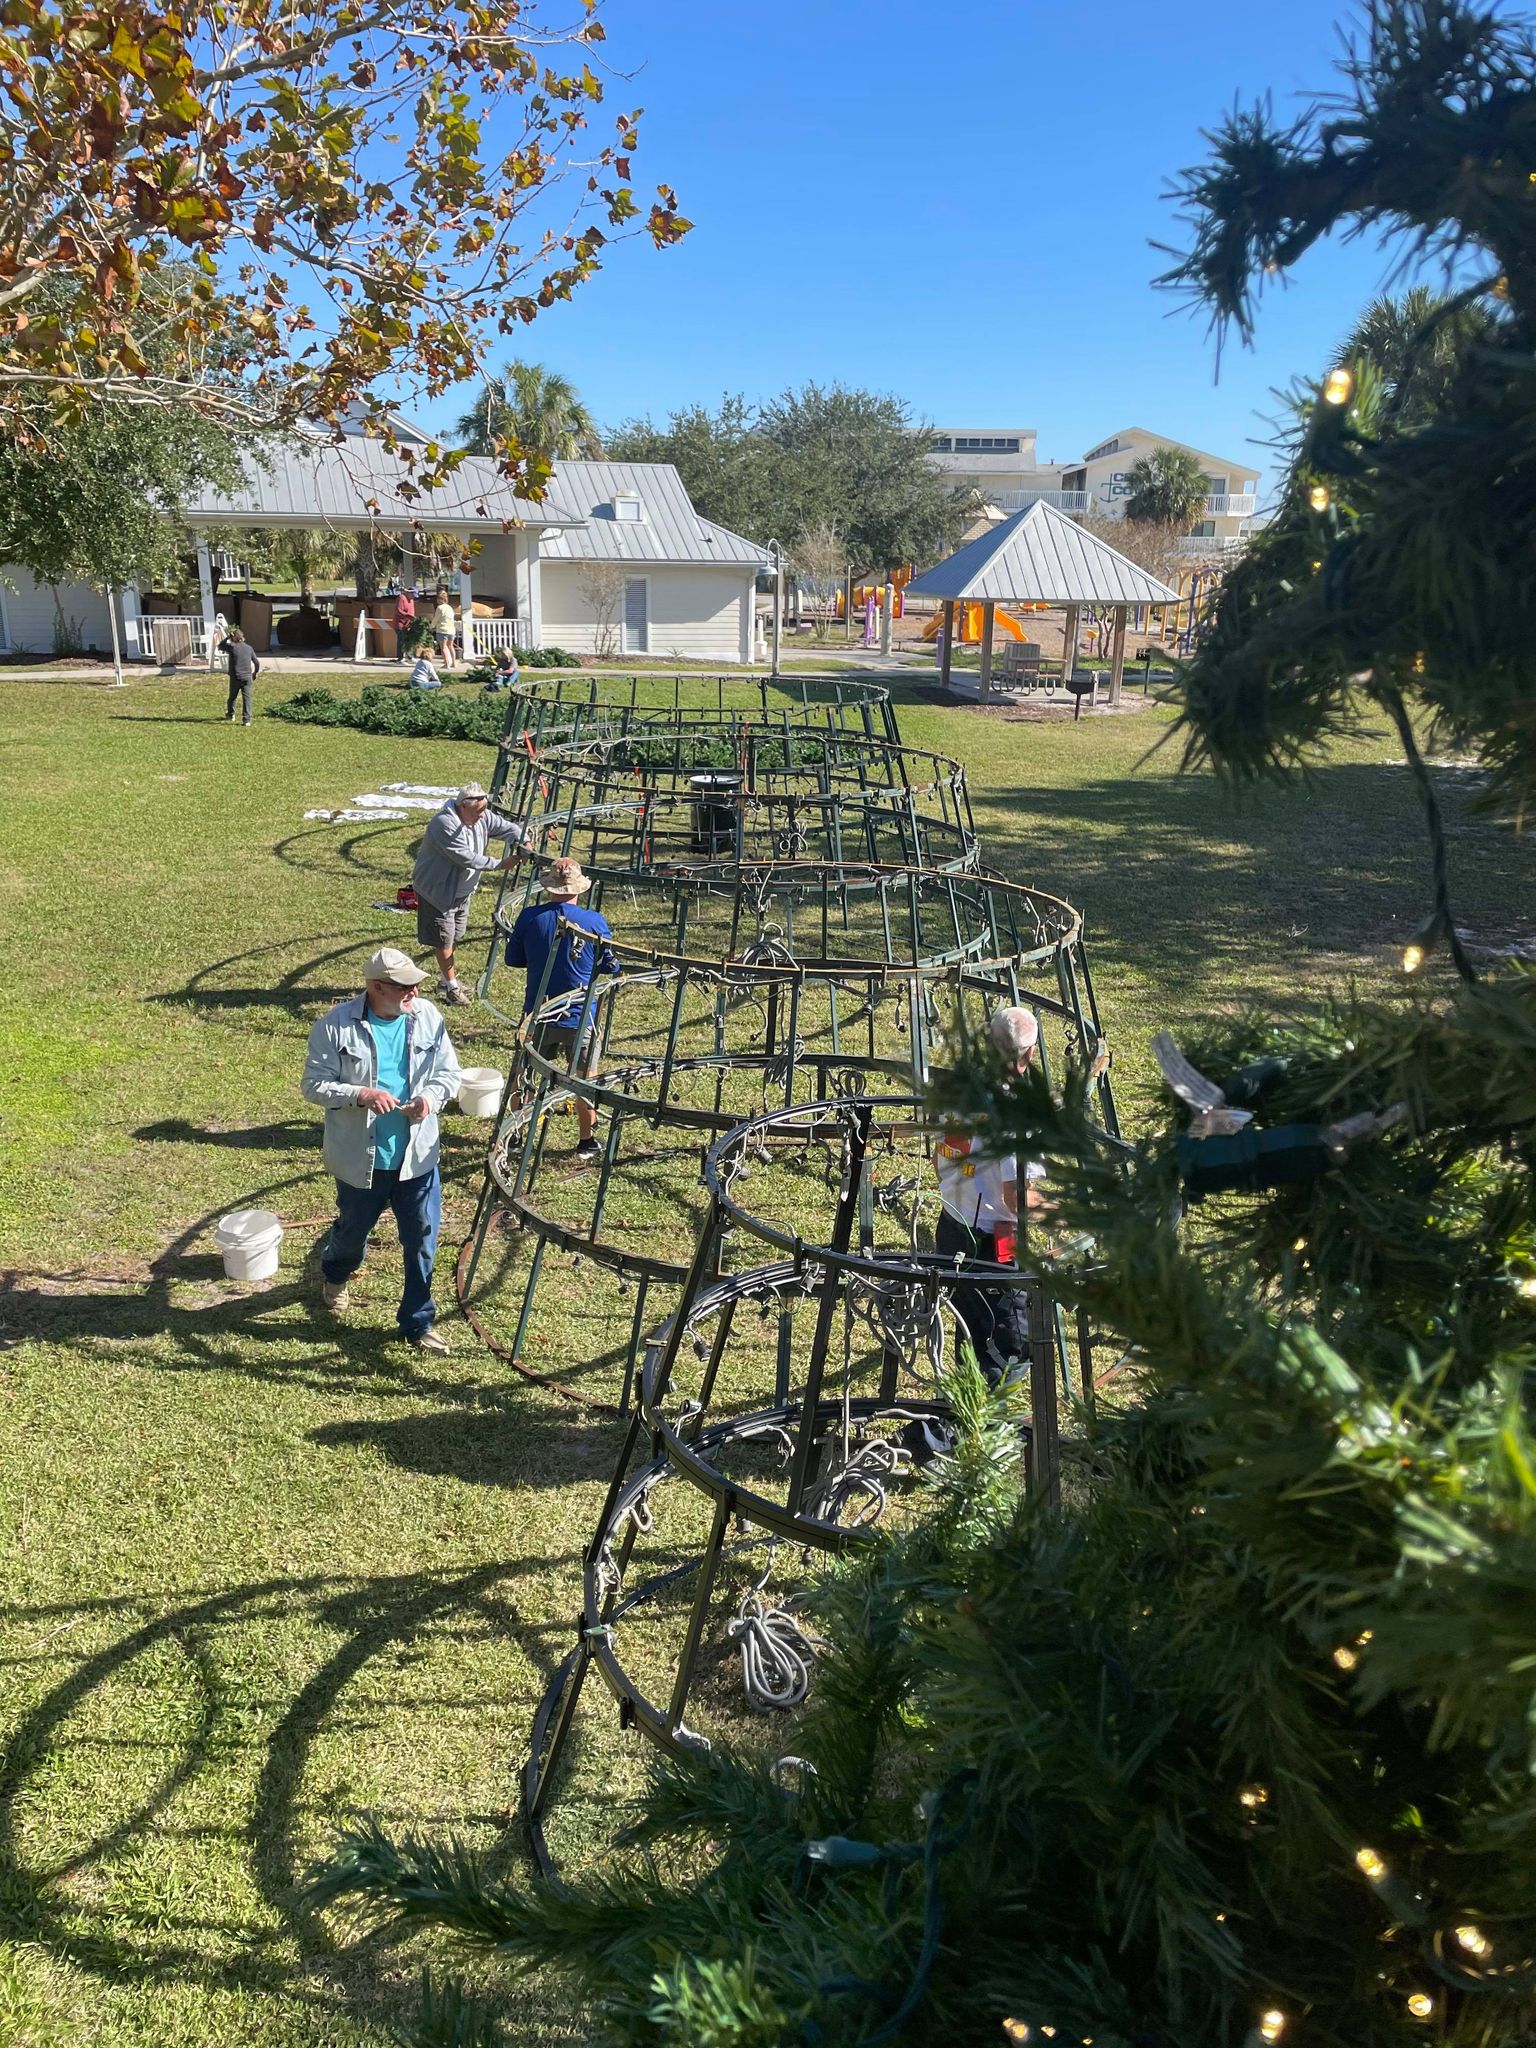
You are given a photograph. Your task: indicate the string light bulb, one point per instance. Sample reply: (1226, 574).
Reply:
(1370, 1865)
(1413, 958)
(1253, 1795)
(1337, 386)
(1318, 497)
(1474, 1941)
(1345, 1657)
(1271, 2024)
(1420, 2005)
(1016, 2031)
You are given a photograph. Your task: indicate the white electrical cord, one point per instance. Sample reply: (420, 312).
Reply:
(776, 1655)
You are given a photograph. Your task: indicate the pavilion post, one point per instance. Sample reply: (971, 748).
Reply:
(949, 642)
(1069, 644)
(205, 595)
(467, 614)
(988, 623)
(1117, 655)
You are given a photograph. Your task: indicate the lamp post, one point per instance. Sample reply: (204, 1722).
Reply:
(776, 555)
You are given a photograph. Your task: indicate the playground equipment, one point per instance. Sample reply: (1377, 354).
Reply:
(968, 623)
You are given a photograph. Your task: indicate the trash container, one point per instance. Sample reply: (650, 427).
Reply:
(716, 818)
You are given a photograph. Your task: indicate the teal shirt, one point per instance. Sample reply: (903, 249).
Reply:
(389, 1132)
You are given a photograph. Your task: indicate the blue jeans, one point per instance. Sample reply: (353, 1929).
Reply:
(418, 1207)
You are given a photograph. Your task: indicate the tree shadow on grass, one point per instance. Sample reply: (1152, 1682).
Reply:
(292, 1134)
(382, 1622)
(1179, 880)
(352, 855)
(289, 989)
(252, 1332)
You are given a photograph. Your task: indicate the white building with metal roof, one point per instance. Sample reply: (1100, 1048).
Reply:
(614, 560)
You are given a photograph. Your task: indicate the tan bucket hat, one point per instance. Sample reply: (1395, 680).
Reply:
(563, 877)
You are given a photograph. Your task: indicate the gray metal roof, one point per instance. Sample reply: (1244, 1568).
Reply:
(308, 481)
(305, 480)
(1041, 556)
(669, 529)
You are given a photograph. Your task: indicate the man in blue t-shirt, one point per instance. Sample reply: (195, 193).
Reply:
(562, 946)
(383, 1068)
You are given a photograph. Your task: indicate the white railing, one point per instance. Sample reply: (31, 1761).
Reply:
(1015, 501)
(1207, 544)
(1234, 505)
(491, 635)
(174, 636)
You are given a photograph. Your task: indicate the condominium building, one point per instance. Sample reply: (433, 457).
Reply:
(1001, 465)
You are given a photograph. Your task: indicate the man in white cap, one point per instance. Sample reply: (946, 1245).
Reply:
(561, 944)
(978, 1223)
(449, 863)
(383, 1068)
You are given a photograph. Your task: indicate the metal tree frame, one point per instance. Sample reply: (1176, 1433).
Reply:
(550, 710)
(838, 1435)
(735, 793)
(688, 1043)
(803, 933)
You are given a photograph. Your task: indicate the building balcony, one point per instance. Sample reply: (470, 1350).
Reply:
(1231, 505)
(1204, 545)
(1015, 501)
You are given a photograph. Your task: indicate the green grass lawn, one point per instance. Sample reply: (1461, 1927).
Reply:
(262, 1569)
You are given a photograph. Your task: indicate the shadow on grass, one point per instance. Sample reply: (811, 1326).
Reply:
(291, 1135)
(1178, 876)
(380, 1620)
(290, 988)
(253, 1333)
(348, 856)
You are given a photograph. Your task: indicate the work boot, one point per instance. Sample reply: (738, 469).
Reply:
(334, 1294)
(432, 1340)
(455, 995)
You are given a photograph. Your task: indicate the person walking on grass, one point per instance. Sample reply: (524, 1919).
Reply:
(449, 863)
(573, 943)
(383, 1068)
(444, 628)
(244, 668)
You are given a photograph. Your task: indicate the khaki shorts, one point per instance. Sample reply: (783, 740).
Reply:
(441, 929)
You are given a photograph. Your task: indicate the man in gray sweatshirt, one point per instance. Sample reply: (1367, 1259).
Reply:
(244, 668)
(449, 864)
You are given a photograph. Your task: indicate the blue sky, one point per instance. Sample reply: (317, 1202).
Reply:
(954, 203)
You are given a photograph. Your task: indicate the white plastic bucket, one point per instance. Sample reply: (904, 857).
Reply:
(250, 1240)
(480, 1090)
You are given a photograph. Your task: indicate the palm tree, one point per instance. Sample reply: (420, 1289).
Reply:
(535, 408)
(1417, 341)
(1167, 487)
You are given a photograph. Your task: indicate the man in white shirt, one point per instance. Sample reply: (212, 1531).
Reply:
(978, 1224)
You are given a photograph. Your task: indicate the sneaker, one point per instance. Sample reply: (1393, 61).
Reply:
(334, 1294)
(455, 995)
(588, 1150)
(431, 1340)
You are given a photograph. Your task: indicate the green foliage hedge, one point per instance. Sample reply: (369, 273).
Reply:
(405, 714)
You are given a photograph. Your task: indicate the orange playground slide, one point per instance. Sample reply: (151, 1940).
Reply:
(968, 625)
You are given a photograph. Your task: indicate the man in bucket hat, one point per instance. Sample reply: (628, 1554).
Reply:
(449, 863)
(383, 1068)
(561, 944)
